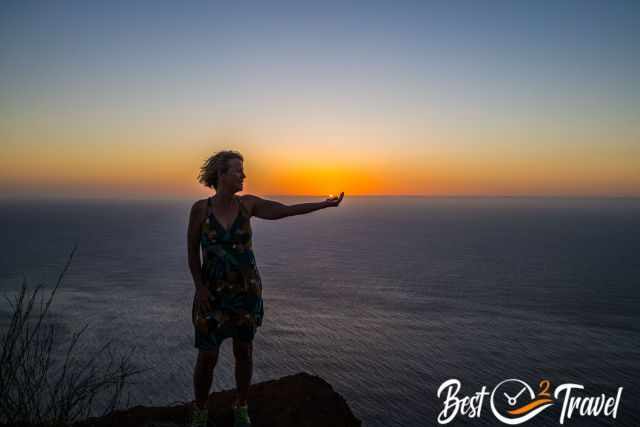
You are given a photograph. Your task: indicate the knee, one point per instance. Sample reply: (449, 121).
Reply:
(243, 351)
(207, 359)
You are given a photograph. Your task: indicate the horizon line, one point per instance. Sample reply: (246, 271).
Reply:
(415, 196)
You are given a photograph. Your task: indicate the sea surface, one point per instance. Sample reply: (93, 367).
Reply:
(384, 297)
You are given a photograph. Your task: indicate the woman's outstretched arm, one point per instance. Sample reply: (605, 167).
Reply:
(270, 209)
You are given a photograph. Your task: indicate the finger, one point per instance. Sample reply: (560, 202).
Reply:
(205, 305)
(202, 309)
(207, 308)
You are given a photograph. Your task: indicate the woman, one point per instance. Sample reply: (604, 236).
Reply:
(228, 297)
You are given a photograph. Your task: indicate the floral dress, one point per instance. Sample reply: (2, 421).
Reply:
(231, 275)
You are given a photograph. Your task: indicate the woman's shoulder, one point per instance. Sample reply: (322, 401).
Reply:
(247, 201)
(199, 208)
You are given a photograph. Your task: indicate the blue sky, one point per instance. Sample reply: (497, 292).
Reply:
(569, 68)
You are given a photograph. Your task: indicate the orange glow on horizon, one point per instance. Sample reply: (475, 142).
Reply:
(359, 163)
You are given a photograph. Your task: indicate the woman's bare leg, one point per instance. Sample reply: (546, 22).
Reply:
(203, 375)
(243, 353)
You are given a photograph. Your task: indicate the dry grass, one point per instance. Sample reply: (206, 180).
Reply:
(37, 388)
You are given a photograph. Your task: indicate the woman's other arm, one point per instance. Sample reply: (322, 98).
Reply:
(270, 209)
(193, 243)
(196, 217)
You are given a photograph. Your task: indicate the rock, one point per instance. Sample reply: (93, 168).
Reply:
(300, 400)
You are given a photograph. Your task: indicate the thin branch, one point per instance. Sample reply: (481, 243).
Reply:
(27, 396)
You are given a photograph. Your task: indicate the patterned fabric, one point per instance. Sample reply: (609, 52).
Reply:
(231, 275)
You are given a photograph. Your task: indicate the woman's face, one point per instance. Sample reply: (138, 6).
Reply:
(234, 176)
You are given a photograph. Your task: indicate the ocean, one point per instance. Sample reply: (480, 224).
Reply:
(384, 297)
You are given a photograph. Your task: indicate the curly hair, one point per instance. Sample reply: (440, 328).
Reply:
(218, 163)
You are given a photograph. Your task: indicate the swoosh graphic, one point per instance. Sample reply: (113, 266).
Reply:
(529, 407)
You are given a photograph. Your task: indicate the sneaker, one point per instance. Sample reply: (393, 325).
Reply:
(241, 416)
(199, 416)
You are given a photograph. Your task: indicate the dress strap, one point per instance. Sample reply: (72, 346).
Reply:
(209, 211)
(243, 209)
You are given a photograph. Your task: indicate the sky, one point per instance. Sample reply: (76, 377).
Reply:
(451, 98)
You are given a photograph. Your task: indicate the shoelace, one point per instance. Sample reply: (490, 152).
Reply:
(242, 414)
(200, 416)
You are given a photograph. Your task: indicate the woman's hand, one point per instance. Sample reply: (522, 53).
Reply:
(334, 201)
(202, 297)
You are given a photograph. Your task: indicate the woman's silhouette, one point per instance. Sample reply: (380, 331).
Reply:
(228, 297)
